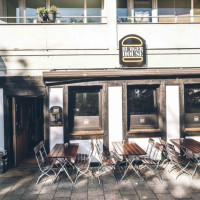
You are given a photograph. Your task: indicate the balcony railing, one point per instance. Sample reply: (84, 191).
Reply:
(59, 19)
(159, 19)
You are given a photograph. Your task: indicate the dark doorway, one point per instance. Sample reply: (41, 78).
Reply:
(26, 114)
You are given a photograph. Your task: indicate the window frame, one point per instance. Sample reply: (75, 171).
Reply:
(148, 129)
(71, 117)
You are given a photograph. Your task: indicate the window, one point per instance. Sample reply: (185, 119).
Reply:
(143, 107)
(122, 10)
(192, 106)
(82, 8)
(143, 10)
(196, 10)
(31, 8)
(13, 11)
(172, 8)
(70, 8)
(85, 108)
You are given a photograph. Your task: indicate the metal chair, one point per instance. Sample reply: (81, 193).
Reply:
(82, 162)
(107, 161)
(153, 161)
(177, 160)
(44, 163)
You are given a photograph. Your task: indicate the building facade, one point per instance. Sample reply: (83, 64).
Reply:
(114, 70)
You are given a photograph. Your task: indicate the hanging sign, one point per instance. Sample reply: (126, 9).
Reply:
(132, 51)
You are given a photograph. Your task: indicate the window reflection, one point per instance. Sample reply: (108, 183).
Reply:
(192, 99)
(141, 101)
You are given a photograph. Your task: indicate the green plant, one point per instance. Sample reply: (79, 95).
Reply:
(53, 9)
(42, 11)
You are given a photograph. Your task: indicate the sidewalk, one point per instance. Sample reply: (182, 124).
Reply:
(24, 187)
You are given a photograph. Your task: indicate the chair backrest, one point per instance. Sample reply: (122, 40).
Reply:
(157, 154)
(171, 151)
(40, 154)
(149, 149)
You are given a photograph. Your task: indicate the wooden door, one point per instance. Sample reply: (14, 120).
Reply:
(20, 118)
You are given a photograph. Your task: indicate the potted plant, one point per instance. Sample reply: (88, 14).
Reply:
(53, 11)
(42, 14)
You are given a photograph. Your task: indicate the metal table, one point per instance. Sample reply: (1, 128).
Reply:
(191, 145)
(62, 152)
(127, 150)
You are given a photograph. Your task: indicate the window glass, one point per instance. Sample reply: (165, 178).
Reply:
(143, 10)
(94, 9)
(196, 7)
(192, 99)
(180, 8)
(86, 103)
(166, 7)
(70, 8)
(13, 10)
(122, 10)
(141, 101)
(31, 8)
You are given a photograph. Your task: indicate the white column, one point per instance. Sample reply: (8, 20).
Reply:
(111, 11)
(115, 114)
(192, 11)
(56, 132)
(2, 147)
(172, 112)
(130, 5)
(155, 11)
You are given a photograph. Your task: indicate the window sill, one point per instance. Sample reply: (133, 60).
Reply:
(192, 129)
(144, 131)
(80, 133)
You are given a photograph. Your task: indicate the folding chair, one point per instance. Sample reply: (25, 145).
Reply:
(107, 161)
(82, 162)
(150, 146)
(44, 163)
(177, 160)
(153, 161)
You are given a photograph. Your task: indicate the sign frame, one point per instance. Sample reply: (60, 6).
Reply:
(134, 47)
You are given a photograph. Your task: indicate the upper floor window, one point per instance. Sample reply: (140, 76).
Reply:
(31, 8)
(13, 11)
(174, 10)
(197, 10)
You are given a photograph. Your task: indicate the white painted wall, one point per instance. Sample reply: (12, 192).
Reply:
(114, 115)
(56, 132)
(172, 112)
(1, 121)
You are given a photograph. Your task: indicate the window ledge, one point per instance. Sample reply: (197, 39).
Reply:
(79, 133)
(192, 129)
(144, 131)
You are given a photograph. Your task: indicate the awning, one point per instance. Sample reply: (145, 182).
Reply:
(70, 76)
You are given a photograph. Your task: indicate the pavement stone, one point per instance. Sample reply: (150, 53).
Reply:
(16, 197)
(165, 197)
(81, 195)
(45, 197)
(113, 196)
(180, 192)
(63, 193)
(145, 194)
(95, 192)
(96, 198)
(130, 197)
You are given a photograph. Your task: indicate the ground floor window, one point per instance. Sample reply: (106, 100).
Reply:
(143, 107)
(85, 107)
(192, 106)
